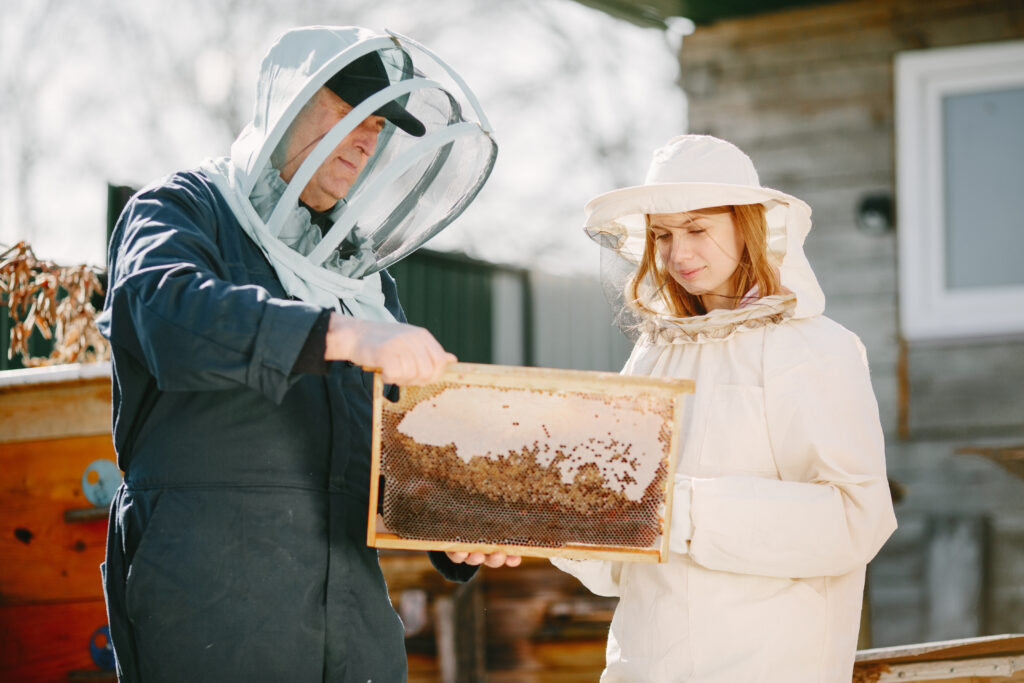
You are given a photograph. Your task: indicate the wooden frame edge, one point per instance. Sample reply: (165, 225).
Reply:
(371, 516)
(570, 551)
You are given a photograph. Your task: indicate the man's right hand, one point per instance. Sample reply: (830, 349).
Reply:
(405, 354)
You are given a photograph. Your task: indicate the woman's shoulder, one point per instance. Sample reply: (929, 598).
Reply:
(816, 339)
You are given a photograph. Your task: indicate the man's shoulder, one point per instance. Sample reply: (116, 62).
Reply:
(184, 199)
(189, 183)
(187, 193)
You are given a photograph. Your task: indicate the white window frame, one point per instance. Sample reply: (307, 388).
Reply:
(928, 309)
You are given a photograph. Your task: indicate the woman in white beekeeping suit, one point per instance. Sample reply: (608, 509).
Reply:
(781, 496)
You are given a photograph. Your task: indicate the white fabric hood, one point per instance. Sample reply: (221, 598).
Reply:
(412, 187)
(693, 172)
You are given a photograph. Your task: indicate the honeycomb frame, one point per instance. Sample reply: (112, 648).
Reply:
(577, 500)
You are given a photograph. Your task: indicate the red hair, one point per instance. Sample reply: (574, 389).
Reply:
(752, 270)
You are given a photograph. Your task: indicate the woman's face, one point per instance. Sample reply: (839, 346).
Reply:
(700, 251)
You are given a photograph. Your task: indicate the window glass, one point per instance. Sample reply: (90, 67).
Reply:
(983, 134)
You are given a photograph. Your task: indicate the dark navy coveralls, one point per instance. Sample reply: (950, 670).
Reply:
(237, 543)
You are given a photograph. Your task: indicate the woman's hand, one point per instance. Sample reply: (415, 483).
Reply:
(488, 560)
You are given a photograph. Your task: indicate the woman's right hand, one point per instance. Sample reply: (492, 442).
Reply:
(488, 560)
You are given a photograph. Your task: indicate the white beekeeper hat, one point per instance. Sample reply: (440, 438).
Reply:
(692, 172)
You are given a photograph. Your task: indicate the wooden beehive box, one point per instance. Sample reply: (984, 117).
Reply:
(54, 422)
(986, 659)
(527, 461)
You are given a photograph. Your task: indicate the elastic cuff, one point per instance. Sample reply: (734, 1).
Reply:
(459, 572)
(311, 359)
(282, 331)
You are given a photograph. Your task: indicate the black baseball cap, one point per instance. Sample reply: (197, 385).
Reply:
(364, 76)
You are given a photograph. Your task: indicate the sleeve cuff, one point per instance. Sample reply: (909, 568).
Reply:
(311, 358)
(282, 331)
(459, 572)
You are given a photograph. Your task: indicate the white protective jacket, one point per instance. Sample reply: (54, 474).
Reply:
(781, 496)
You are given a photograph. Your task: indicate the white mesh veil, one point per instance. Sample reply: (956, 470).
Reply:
(413, 186)
(617, 274)
(688, 173)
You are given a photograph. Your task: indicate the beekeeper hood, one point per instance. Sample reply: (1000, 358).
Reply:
(431, 159)
(693, 172)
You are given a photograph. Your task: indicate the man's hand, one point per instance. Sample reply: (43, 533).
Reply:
(405, 354)
(490, 560)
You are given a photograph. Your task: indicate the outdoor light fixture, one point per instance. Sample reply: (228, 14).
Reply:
(875, 214)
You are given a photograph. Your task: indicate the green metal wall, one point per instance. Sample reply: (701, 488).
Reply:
(451, 296)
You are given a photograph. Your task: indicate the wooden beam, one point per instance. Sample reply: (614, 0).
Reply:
(1010, 458)
(985, 670)
(1011, 644)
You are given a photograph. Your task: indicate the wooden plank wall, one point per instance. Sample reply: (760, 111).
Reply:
(808, 93)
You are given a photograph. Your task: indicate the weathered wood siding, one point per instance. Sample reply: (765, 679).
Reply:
(809, 95)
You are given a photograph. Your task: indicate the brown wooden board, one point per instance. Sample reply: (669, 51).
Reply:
(43, 557)
(608, 386)
(48, 642)
(1011, 458)
(986, 646)
(50, 403)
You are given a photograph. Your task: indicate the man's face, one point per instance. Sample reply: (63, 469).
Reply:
(339, 171)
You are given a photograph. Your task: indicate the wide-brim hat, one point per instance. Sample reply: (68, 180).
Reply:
(688, 173)
(692, 172)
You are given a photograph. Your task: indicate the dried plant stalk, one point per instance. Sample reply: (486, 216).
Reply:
(31, 289)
